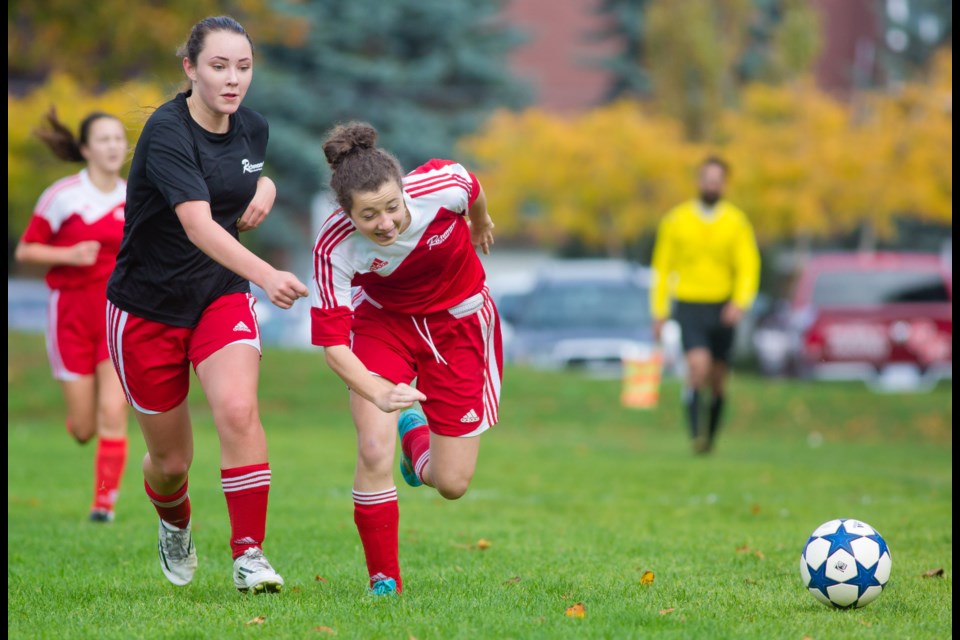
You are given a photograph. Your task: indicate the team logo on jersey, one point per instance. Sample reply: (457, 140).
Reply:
(378, 264)
(441, 238)
(470, 417)
(251, 167)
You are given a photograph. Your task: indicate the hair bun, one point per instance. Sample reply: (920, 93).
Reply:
(347, 138)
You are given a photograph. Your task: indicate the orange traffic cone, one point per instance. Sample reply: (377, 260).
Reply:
(642, 370)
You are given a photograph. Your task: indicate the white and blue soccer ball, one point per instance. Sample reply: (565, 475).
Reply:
(845, 564)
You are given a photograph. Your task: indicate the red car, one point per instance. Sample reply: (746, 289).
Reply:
(864, 315)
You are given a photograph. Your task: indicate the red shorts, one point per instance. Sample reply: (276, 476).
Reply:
(153, 359)
(76, 331)
(456, 357)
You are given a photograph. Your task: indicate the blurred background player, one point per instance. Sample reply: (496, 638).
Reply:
(76, 230)
(180, 295)
(422, 311)
(706, 260)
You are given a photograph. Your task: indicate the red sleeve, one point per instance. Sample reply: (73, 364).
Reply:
(436, 163)
(39, 230)
(330, 327)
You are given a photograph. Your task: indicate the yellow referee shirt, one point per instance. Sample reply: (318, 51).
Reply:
(704, 255)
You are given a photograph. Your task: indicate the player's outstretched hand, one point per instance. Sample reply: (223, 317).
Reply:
(283, 288)
(481, 234)
(399, 397)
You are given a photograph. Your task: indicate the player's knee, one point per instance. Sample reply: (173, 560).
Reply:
(374, 456)
(171, 468)
(112, 420)
(238, 415)
(81, 430)
(452, 488)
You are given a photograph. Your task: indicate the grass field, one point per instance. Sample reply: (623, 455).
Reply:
(576, 497)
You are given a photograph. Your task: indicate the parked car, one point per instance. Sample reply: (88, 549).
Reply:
(584, 314)
(863, 316)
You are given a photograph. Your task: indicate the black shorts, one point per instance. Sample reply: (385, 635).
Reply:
(701, 328)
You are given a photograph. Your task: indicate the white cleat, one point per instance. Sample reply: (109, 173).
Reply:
(252, 572)
(178, 556)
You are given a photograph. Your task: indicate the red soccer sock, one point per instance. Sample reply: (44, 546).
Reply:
(110, 461)
(173, 509)
(416, 446)
(378, 521)
(246, 490)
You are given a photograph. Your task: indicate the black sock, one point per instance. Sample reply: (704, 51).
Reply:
(716, 412)
(692, 401)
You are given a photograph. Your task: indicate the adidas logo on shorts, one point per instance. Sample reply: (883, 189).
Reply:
(470, 417)
(241, 326)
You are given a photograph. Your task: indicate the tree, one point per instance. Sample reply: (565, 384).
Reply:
(605, 177)
(109, 41)
(692, 58)
(423, 72)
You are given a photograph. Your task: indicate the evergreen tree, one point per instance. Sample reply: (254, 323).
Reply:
(626, 24)
(423, 72)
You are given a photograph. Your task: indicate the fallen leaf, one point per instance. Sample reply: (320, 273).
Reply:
(664, 612)
(577, 611)
(759, 554)
(755, 509)
(483, 544)
(295, 589)
(934, 573)
(325, 630)
(320, 579)
(513, 580)
(743, 549)
(866, 623)
(257, 620)
(646, 578)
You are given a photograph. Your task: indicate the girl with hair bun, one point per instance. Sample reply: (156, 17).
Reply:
(399, 294)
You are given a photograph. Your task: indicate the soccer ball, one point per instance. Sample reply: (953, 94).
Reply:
(845, 564)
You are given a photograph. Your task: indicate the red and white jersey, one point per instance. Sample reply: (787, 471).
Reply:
(431, 267)
(73, 210)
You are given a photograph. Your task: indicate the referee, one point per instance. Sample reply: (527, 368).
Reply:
(706, 261)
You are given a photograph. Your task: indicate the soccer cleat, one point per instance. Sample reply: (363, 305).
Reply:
(252, 572)
(101, 515)
(385, 587)
(178, 556)
(409, 420)
(702, 445)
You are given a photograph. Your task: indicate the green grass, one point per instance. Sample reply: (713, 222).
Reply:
(576, 496)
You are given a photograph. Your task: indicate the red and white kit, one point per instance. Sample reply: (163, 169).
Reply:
(418, 308)
(73, 210)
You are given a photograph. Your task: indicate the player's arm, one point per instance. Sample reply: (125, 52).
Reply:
(282, 288)
(662, 265)
(82, 254)
(481, 225)
(259, 206)
(380, 391)
(746, 274)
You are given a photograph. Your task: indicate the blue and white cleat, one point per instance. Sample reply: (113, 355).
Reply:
(409, 420)
(385, 587)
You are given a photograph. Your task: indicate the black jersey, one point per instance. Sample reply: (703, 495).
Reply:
(160, 274)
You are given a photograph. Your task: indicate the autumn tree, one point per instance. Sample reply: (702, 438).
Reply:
(109, 41)
(604, 177)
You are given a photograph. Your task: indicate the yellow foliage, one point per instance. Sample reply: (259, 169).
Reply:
(31, 166)
(803, 164)
(605, 176)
